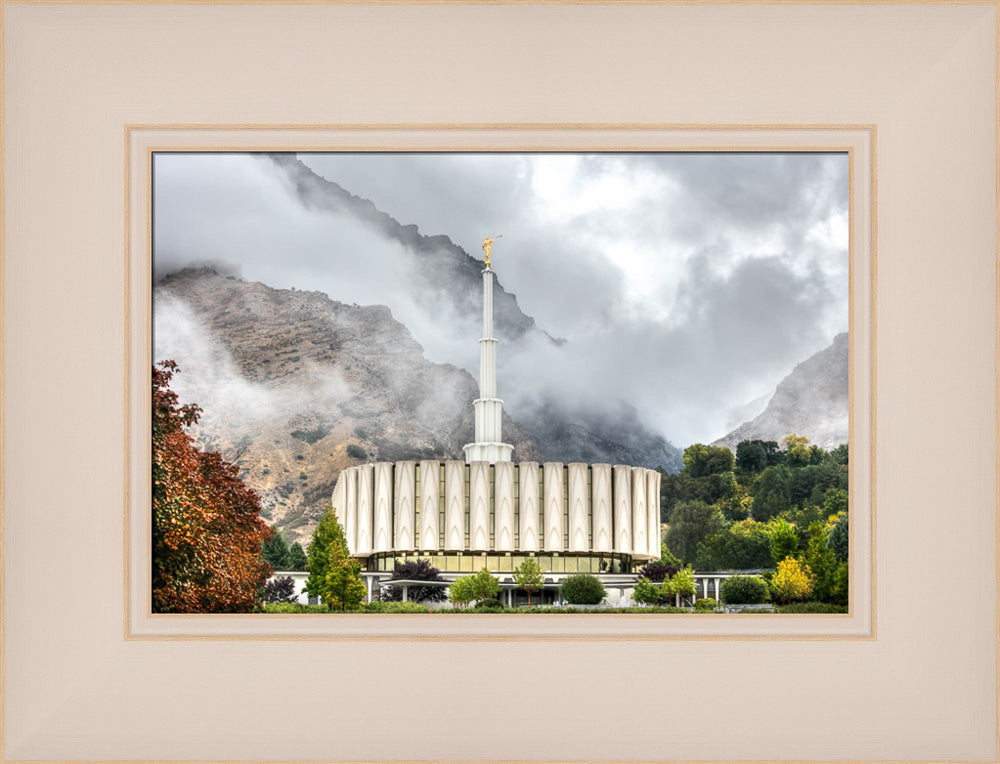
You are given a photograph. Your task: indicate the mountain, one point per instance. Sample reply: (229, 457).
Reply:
(812, 401)
(295, 387)
(448, 275)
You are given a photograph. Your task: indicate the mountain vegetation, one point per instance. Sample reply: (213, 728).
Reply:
(768, 506)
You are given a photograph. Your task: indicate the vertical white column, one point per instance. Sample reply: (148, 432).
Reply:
(552, 477)
(404, 505)
(383, 507)
(639, 520)
(479, 506)
(623, 509)
(503, 506)
(337, 501)
(454, 505)
(578, 500)
(487, 348)
(716, 589)
(601, 502)
(527, 509)
(366, 486)
(653, 512)
(349, 478)
(429, 503)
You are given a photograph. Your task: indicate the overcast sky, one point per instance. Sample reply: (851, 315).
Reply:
(687, 285)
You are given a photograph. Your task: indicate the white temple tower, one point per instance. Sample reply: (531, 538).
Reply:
(488, 407)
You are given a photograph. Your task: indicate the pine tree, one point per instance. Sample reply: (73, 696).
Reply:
(275, 551)
(342, 585)
(297, 559)
(328, 532)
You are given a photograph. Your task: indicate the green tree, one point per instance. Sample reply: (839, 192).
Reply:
(718, 487)
(771, 494)
(342, 585)
(667, 557)
(736, 506)
(297, 559)
(840, 538)
(648, 592)
(528, 576)
(841, 583)
(741, 546)
(327, 533)
(681, 584)
(751, 456)
(582, 589)
(701, 460)
(835, 501)
(485, 586)
(784, 540)
(797, 451)
(692, 523)
(793, 580)
(276, 551)
(822, 562)
(840, 454)
(460, 592)
(743, 590)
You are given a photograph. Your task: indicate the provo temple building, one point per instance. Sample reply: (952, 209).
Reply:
(489, 511)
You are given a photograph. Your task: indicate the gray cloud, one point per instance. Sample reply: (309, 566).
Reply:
(687, 285)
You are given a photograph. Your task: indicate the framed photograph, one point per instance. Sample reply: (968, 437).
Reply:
(905, 95)
(219, 217)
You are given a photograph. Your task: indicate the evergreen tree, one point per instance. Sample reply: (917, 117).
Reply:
(328, 533)
(692, 522)
(822, 562)
(342, 585)
(275, 550)
(840, 539)
(297, 559)
(772, 494)
(784, 540)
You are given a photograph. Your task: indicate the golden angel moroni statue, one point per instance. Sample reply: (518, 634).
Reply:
(486, 247)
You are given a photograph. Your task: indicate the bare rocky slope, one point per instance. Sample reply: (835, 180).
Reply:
(812, 401)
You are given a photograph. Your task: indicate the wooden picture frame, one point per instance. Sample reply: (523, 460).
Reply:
(83, 81)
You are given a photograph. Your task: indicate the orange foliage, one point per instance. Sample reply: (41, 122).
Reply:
(207, 529)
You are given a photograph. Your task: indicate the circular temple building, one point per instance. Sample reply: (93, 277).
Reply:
(489, 511)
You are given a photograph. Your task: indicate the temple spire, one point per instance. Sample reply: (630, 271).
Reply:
(488, 407)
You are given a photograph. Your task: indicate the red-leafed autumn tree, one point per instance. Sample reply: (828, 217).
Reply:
(207, 529)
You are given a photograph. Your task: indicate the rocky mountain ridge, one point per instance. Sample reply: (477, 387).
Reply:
(812, 400)
(448, 276)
